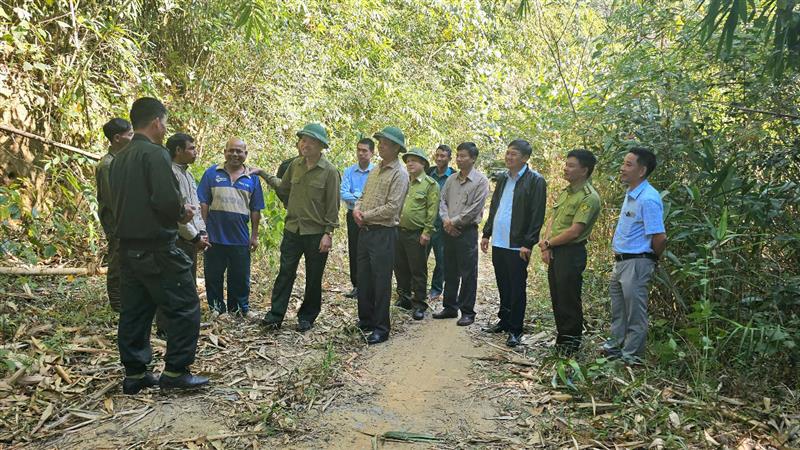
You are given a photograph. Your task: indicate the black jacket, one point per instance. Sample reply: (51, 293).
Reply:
(527, 211)
(145, 194)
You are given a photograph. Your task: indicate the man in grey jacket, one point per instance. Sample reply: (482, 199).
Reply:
(192, 235)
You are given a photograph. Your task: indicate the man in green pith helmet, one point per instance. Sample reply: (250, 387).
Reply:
(377, 212)
(311, 185)
(417, 218)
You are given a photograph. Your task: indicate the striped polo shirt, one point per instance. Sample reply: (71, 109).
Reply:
(229, 205)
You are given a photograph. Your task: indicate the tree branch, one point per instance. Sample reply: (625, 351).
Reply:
(36, 137)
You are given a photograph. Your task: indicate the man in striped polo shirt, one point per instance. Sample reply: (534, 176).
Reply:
(230, 200)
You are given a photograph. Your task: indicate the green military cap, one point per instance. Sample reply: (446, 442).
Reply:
(316, 131)
(393, 134)
(419, 153)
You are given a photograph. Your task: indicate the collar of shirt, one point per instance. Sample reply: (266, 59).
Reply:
(516, 176)
(324, 163)
(392, 165)
(434, 172)
(141, 137)
(221, 167)
(578, 188)
(419, 178)
(183, 167)
(469, 176)
(635, 192)
(358, 168)
(304, 163)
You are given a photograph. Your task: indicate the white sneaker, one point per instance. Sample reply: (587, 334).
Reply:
(251, 316)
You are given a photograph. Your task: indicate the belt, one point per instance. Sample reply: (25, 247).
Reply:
(625, 256)
(408, 230)
(571, 244)
(146, 244)
(376, 227)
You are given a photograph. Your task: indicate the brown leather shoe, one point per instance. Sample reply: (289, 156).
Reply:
(465, 320)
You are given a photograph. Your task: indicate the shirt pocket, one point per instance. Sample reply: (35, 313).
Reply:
(419, 200)
(142, 263)
(631, 219)
(316, 195)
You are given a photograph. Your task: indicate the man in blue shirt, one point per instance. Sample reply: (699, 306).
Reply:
(353, 181)
(516, 216)
(230, 198)
(440, 172)
(639, 240)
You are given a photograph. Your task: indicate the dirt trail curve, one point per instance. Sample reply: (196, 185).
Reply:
(422, 382)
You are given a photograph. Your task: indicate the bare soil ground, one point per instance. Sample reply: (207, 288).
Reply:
(420, 381)
(454, 386)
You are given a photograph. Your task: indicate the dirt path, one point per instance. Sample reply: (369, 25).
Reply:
(280, 389)
(421, 382)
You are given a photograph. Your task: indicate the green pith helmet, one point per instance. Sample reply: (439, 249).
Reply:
(316, 131)
(419, 153)
(393, 134)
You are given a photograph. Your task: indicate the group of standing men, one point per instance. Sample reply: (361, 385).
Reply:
(396, 215)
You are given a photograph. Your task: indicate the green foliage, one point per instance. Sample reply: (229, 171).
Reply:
(567, 372)
(562, 74)
(775, 21)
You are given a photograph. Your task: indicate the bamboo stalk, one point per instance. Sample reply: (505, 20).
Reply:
(43, 271)
(36, 137)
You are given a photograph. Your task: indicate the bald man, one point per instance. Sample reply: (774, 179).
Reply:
(230, 202)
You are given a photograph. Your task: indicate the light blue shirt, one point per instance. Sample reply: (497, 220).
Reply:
(501, 227)
(353, 183)
(641, 216)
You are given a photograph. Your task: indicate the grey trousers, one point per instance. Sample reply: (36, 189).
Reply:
(629, 288)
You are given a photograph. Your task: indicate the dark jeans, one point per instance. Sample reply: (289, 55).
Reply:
(113, 276)
(511, 273)
(411, 269)
(236, 260)
(157, 279)
(461, 254)
(565, 276)
(437, 278)
(352, 247)
(293, 246)
(376, 247)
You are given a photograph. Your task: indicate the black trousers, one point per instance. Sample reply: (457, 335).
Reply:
(511, 273)
(461, 267)
(294, 246)
(411, 269)
(113, 276)
(376, 247)
(191, 251)
(153, 279)
(352, 247)
(565, 277)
